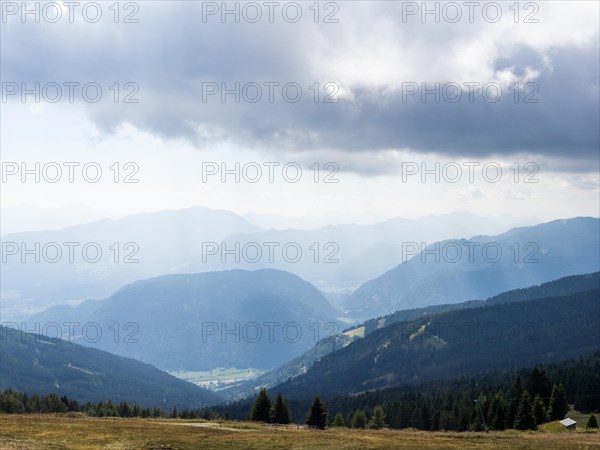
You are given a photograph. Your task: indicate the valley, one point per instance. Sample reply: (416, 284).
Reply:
(219, 378)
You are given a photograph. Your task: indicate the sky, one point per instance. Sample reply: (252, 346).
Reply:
(347, 111)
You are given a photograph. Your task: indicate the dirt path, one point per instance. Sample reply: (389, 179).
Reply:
(202, 425)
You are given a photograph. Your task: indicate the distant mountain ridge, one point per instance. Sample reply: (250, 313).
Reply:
(563, 286)
(459, 270)
(131, 248)
(41, 365)
(358, 253)
(200, 239)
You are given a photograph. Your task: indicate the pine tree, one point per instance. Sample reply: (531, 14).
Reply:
(539, 411)
(558, 407)
(592, 422)
(280, 412)
(124, 410)
(174, 413)
(516, 392)
(338, 420)
(497, 412)
(359, 419)
(261, 411)
(317, 415)
(524, 419)
(378, 419)
(539, 384)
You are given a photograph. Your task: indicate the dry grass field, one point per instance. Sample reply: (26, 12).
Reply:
(81, 432)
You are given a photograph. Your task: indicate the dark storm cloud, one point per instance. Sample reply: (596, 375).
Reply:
(171, 53)
(564, 121)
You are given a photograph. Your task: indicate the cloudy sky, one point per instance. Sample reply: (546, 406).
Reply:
(386, 110)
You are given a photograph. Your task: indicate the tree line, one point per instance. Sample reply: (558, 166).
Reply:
(523, 404)
(278, 413)
(13, 402)
(521, 399)
(316, 416)
(530, 403)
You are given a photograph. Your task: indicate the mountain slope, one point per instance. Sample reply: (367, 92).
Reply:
(460, 342)
(42, 365)
(555, 288)
(459, 270)
(148, 244)
(202, 321)
(301, 364)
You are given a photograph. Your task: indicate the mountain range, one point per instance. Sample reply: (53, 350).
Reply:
(333, 258)
(276, 321)
(453, 271)
(148, 244)
(236, 318)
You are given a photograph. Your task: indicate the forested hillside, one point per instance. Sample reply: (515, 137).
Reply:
(42, 365)
(455, 343)
(450, 404)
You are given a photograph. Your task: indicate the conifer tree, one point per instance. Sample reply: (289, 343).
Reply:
(516, 392)
(558, 407)
(539, 411)
(261, 411)
(317, 415)
(497, 412)
(359, 419)
(338, 420)
(524, 419)
(280, 412)
(378, 418)
(539, 384)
